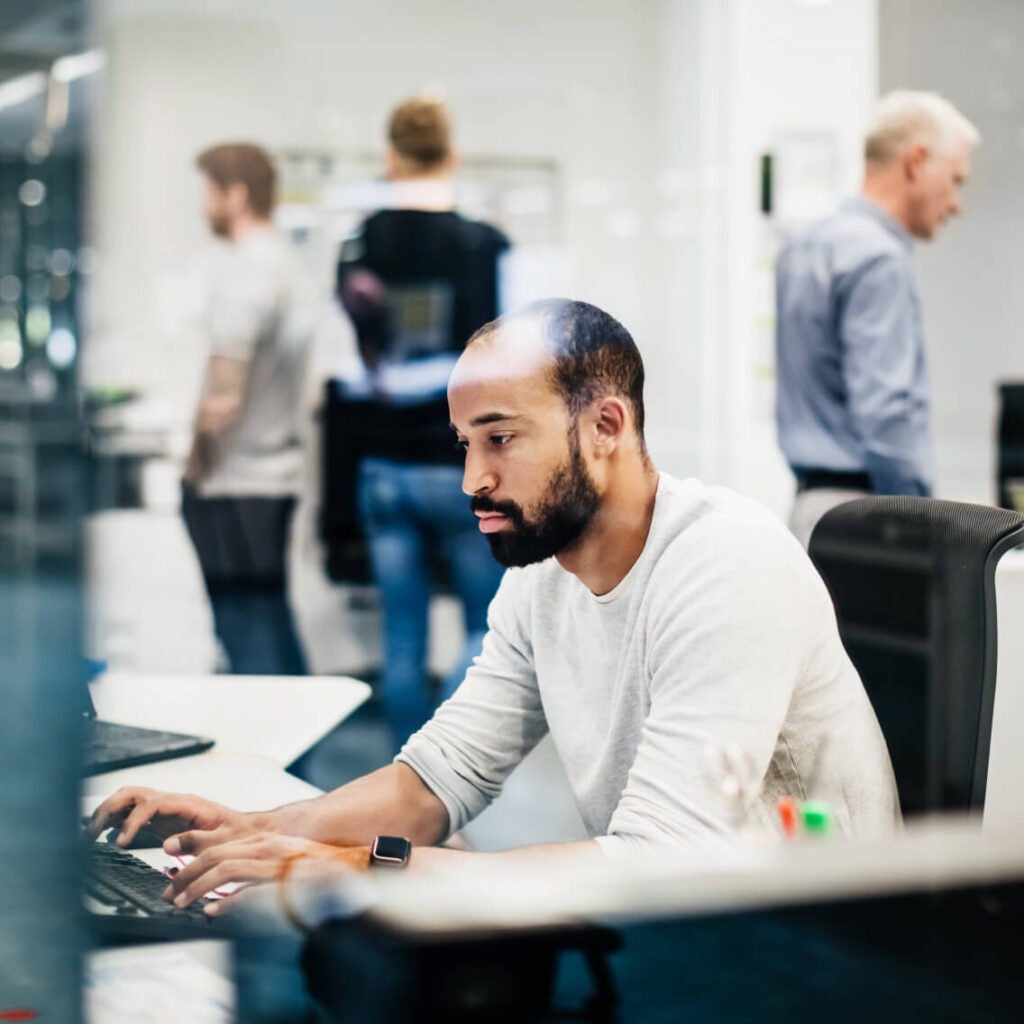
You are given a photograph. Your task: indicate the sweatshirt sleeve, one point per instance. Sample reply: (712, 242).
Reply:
(491, 722)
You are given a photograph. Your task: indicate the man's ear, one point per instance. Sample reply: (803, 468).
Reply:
(238, 197)
(914, 160)
(610, 419)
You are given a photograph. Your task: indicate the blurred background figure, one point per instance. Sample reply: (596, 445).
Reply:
(417, 280)
(245, 464)
(853, 398)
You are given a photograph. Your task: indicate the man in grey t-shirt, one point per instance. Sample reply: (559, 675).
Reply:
(673, 638)
(244, 469)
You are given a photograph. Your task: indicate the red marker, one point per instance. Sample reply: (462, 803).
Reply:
(788, 815)
(17, 1014)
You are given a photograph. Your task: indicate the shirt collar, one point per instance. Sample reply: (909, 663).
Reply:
(864, 206)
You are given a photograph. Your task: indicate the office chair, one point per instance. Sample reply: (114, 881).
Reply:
(1010, 447)
(913, 582)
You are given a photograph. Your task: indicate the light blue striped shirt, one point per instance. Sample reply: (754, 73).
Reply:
(852, 391)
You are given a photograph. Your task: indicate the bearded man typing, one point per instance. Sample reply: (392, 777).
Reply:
(643, 621)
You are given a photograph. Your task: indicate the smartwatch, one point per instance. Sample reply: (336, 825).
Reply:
(390, 852)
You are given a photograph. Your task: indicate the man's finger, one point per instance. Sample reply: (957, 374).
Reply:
(177, 807)
(113, 810)
(231, 903)
(141, 815)
(199, 866)
(225, 871)
(103, 818)
(196, 841)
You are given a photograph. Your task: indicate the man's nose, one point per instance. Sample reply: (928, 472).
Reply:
(477, 478)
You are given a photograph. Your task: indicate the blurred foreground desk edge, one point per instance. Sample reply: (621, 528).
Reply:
(873, 944)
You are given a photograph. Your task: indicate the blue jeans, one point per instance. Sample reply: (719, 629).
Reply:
(414, 514)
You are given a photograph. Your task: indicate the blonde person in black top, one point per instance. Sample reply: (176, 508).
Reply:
(417, 280)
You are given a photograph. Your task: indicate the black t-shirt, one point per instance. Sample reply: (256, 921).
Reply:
(416, 284)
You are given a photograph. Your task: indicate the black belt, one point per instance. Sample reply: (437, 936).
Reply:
(820, 479)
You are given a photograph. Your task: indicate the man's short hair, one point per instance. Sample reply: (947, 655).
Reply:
(593, 354)
(905, 118)
(420, 132)
(242, 163)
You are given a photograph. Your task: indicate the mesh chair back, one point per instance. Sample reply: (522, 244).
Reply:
(913, 582)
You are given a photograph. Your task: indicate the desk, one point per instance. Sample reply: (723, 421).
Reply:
(245, 782)
(278, 717)
(921, 926)
(260, 724)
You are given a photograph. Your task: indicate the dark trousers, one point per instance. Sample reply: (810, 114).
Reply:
(241, 544)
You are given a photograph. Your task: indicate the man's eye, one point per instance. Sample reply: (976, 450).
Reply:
(498, 440)
(462, 446)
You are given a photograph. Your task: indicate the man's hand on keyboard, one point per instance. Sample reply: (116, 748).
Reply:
(263, 857)
(166, 814)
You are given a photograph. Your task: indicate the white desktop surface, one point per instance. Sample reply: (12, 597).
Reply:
(160, 983)
(245, 782)
(1004, 792)
(278, 717)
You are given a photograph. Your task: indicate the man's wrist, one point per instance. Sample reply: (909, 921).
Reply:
(390, 852)
(263, 821)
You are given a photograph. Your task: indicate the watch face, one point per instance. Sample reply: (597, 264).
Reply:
(391, 849)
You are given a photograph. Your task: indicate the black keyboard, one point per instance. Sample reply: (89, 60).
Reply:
(129, 891)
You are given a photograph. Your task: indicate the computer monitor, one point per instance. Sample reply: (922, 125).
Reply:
(1010, 446)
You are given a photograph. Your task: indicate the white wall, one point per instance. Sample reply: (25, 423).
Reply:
(655, 112)
(594, 84)
(970, 277)
(784, 67)
(608, 89)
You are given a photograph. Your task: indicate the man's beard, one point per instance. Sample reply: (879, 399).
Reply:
(559, 521)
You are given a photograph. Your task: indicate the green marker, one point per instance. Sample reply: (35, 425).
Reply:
(817, 817)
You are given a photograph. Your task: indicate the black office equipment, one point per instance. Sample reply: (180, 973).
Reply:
(354, 425)
(109, 745)
(359, 971)
(1010, 448)
(341, 529)
(913, 581)
(123, 894)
